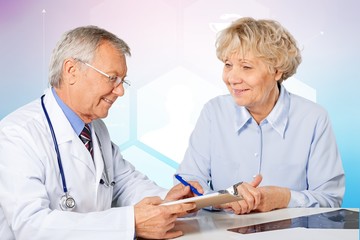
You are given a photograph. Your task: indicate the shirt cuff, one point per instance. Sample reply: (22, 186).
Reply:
(297, 199)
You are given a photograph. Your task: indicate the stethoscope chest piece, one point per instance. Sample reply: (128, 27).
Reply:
(67, 203)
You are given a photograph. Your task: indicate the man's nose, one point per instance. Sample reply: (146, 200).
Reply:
(119, 90)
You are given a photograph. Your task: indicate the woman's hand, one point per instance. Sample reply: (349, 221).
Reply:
(251, 197)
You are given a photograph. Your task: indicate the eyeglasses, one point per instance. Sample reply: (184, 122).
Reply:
(113, 79)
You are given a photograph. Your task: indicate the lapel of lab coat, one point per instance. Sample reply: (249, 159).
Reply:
(105, 143)
(65, 134)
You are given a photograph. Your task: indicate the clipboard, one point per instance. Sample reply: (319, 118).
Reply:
(211, 199)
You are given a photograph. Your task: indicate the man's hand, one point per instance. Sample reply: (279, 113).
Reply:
(179, 191)
(156, 222)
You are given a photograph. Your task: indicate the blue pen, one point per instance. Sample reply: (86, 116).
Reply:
(185, 183)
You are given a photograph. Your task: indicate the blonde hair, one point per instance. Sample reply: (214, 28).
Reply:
(265, 39)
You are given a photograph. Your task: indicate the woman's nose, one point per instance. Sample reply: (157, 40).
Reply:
(234, 77)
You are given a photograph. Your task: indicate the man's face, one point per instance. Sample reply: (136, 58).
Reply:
(92, 94)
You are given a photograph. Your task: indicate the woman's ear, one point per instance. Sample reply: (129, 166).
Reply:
(278, 75)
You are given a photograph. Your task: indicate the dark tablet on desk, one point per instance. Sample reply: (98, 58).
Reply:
(338, 219)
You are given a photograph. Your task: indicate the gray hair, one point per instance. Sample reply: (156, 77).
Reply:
(266, 39)
(81, 43)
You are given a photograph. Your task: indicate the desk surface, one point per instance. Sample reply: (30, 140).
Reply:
(214, 225)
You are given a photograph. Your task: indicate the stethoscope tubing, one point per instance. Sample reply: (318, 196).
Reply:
(55, 145)
(66, 201)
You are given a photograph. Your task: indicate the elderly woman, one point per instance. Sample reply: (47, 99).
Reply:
(280, 145)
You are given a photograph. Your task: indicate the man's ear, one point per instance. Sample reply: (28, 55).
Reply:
(70, 71)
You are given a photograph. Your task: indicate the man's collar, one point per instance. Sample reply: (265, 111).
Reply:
(75, 121)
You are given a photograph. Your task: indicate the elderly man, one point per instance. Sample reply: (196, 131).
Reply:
(61, 177)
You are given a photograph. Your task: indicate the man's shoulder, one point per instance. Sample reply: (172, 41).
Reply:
(23, 115)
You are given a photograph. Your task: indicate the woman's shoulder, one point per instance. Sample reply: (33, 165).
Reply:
(306, 106)
(221, 101)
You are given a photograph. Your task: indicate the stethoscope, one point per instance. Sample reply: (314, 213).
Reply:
(67, 202)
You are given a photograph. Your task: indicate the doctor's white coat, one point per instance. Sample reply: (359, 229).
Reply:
(31, 187)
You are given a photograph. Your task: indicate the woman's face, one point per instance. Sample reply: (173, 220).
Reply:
(251, 83)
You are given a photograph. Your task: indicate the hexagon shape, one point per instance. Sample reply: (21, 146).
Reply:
(298, 87)
(168, 109)
(199, 33)
(150, 166)
(118, 120)
(149, 28)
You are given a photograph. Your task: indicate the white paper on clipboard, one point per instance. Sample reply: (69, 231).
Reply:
(211, 199)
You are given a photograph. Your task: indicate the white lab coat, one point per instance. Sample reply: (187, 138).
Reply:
(31, 187)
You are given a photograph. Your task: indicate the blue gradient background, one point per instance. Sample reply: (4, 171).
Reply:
(172, 39)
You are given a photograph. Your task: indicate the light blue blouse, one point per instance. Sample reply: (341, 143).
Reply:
(293, 147)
